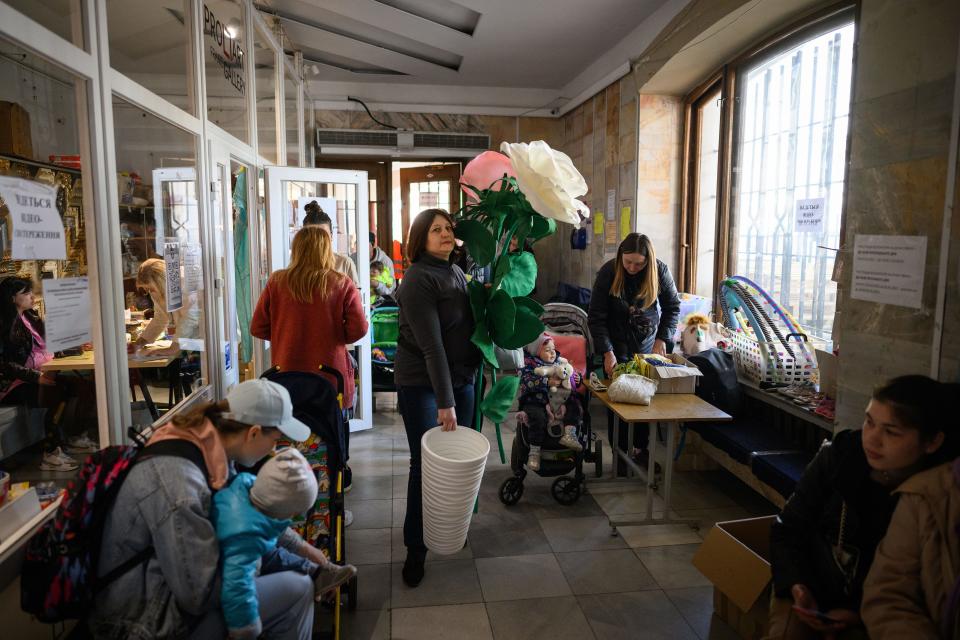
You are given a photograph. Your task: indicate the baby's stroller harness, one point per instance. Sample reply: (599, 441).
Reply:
(319, 405)
(385, 322)
(568, 326)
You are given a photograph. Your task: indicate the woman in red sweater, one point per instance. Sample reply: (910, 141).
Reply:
(309, 312)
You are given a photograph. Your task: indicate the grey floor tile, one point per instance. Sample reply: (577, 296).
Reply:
(580, 534)
(696, 606)
(631, 500)
(401, 464)
(371, 488)
(371, 514)
(671, 566)
(399, 511)
(364, 468)
(706, 518)
(658, 535)
(519, 577)
(613, 571)
(400, 551)
(399, 487)
(495, 532)
(368, 546)
(374, 587)
(539, 619)
(447, 582)
(460, 622)
(364, 625)
(644, 614)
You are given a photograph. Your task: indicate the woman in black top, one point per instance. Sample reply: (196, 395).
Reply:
(845, 494)
(634, 308)
(435, 363)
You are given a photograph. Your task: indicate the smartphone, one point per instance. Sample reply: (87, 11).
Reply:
(819, 615)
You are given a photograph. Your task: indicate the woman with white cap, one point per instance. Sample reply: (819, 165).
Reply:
(163, 511)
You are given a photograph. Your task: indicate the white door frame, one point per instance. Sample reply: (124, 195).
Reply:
(279, 256)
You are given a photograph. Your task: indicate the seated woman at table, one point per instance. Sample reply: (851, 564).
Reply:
(823, 542)
(152, 278)
(23, 352)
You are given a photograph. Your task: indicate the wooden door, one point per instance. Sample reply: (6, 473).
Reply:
(433, 187)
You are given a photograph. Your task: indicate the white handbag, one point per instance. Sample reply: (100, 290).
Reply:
(631, 388)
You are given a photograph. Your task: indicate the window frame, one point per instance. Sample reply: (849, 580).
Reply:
(726, 78)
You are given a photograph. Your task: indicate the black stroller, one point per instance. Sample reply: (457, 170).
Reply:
(568, 326)
(320, 407)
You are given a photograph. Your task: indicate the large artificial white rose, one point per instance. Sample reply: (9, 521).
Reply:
(548, 179)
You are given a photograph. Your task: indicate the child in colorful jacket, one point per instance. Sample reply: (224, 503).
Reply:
(250, 514)
(547, 397)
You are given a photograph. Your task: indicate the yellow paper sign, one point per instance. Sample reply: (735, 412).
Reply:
(611, 237)
(625, 227)
(598, 223)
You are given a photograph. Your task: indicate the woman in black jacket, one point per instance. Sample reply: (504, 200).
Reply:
(634, 308)
(823, 542)
(436, 363)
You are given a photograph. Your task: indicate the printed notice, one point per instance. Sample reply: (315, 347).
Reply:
(598, 223)
(611, 204)
(810, 214)
(889, 269)
(611, 235)
(171, 259)
(37, 230)
(67, 320)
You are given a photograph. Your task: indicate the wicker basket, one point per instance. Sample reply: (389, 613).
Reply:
(769, 362)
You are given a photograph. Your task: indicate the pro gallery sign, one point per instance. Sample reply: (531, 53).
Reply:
(225, 48)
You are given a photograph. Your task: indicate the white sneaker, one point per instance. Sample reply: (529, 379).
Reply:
(347, 518)
(82, 443)
(57, 460)
(533, 460)
(569, 439)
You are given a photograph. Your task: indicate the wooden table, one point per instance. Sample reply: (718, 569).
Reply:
(87, 362)
(671, 410)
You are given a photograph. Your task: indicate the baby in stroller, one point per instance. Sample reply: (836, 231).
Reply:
(547, 398)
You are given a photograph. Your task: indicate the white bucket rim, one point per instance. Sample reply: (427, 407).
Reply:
(475, 435)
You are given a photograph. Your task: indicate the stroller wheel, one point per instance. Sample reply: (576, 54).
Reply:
(510, 491)
(566, 490)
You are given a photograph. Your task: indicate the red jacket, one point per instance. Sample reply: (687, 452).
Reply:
(305, 335)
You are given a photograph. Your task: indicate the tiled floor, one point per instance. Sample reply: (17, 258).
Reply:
(537, 569)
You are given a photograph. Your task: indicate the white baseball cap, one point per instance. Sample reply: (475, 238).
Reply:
(267, 404)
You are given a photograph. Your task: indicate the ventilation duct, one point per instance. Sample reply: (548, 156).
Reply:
(400, 144)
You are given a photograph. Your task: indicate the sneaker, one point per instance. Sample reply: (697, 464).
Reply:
(347, 518)
(57, 460)
(330, 577)
(347, 479)
(533, 461)
(82, 444)
(569, 439)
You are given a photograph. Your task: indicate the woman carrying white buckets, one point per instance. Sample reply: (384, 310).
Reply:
(434, 370)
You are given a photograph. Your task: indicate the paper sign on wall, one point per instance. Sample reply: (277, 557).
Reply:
(626, 224)
(810, 214)
(598, 223)
(889, 269)
(611, 204)
(611, 236)
(67, 305)
(37, 227)
(171, 261)
(429, 200)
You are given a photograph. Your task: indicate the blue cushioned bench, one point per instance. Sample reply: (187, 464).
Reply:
(744, 438)
(781, 471)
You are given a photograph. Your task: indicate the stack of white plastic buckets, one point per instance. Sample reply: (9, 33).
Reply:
(452, 466)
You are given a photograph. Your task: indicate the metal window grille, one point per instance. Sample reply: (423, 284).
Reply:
(793, 118)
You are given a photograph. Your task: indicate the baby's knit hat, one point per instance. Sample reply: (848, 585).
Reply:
(534, 347)
(284, 486)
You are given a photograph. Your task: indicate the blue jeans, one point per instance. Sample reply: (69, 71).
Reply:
(418, 407)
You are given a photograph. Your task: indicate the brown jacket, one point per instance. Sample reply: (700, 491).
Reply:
(916, 566)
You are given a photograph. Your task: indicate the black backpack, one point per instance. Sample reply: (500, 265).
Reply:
(59, 577)
(719, 385)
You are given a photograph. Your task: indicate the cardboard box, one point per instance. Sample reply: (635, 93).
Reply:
(683, 384)
(735, 557)
(15, 138)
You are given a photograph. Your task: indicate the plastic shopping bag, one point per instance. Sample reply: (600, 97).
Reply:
(631, 388)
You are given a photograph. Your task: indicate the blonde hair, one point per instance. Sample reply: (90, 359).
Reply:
(650, 283)
(153, 272)
(311, 265)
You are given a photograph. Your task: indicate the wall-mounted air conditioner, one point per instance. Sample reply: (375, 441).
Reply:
(400, 144)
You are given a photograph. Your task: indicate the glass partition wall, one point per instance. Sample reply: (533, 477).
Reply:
(141, 105)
